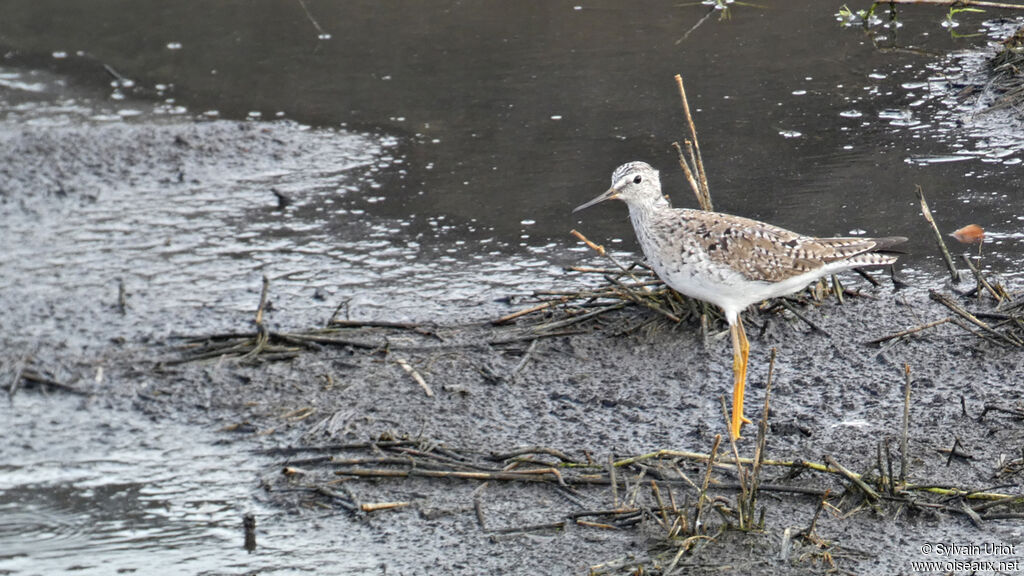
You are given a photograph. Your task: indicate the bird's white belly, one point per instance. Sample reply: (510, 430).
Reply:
(715, 285)
(724, 287)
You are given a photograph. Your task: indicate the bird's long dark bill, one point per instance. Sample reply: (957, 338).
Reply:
(612, 193)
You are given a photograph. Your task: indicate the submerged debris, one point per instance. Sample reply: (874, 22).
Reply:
(999, 83)
(1007, 74)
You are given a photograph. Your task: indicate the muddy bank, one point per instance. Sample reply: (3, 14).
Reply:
(602, 394)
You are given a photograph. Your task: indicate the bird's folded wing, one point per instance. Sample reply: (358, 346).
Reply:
(764, 252)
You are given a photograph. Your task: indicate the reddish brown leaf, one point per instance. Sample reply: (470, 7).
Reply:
(970, 234)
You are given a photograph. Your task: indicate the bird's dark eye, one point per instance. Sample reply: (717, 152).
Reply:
(638, 179)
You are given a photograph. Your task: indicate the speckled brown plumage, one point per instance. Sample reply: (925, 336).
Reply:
(756, 250)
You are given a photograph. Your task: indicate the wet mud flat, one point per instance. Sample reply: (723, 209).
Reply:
(534, 446)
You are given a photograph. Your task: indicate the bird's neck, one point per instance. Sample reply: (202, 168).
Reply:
(641, 212)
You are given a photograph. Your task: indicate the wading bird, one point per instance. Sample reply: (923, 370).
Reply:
(730, 261)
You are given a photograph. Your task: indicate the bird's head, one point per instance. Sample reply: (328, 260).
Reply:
(635, 183)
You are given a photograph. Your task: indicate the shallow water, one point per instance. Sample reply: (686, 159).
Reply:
(89, 489)
(510, 113)
(428, 167)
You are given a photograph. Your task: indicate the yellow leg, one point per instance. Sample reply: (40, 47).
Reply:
(740, 353)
